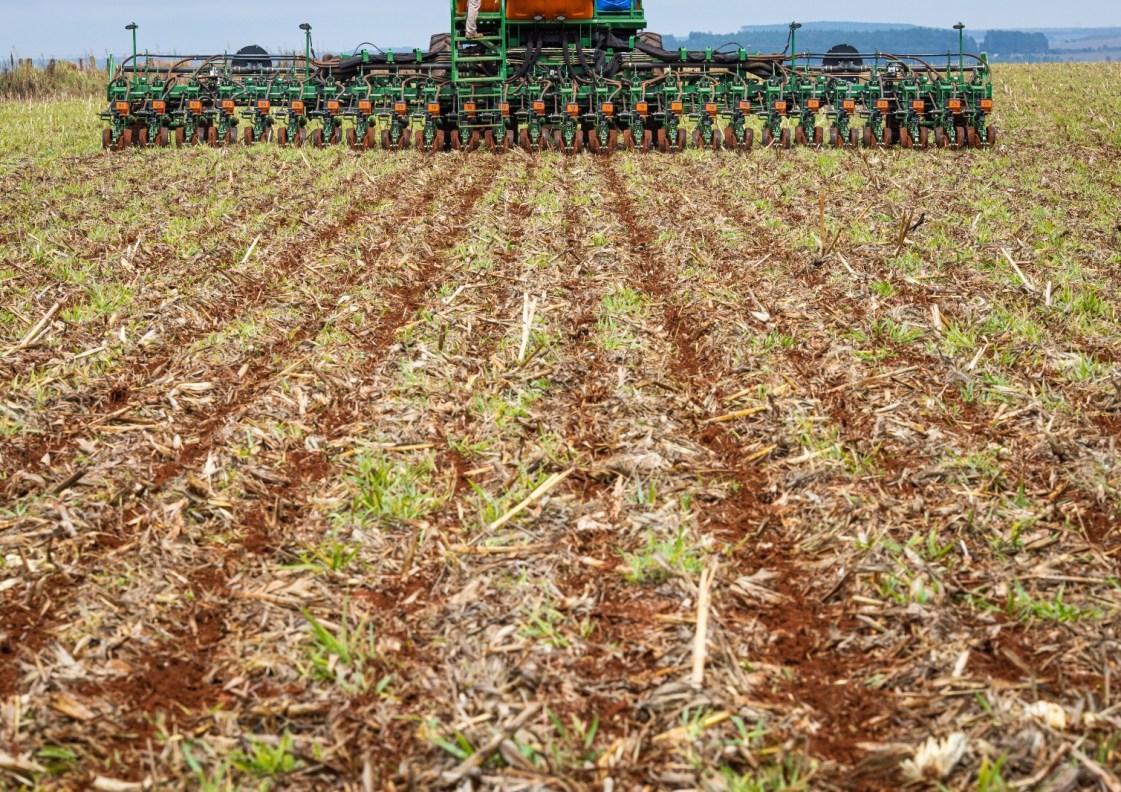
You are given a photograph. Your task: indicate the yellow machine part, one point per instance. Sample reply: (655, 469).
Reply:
(525, 10)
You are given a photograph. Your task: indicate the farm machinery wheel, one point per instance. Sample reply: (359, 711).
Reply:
(924, 138)
(940, 139)
(701, 142)
(523, 141)
(231, 137)
(886, 137)
(316, 138)
(508, 142)
(647, 141)
(282, 137)
(800, 137)
(180, 137)
(663, 141)
(106, 138)
(784, 139)
(473, 141)
(835, 139)
(248, 136)
(212, 136)
(681, 139)
(352, 140)
(905, 140)
(974, 139)
(368, 140)
(457, 142)
(990, 136)
(163, 138)
(125, 140)
(960, 138)
(628, 140)
(869, 138)
(593, 143)
(336, 137)
(819, 137)
(488, 141)
(854, 139)
(768, 138)
(140, 138)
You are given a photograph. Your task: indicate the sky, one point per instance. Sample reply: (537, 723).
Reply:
(71, 28)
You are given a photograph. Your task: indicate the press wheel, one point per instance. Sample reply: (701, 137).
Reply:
(488, 140)
(282, 137)
(854, 139)
(316, 138)
(141, 137)
(647, 140)
(819, 137)
(886, 137)
(924, 138)
(612, 141)
(336, 137)
(457, 141)
(905, 140)
(212, 136)
(106, 138)
(163, 138)
(869, 138)
(593, 142)
(748, 139)
(768, 138)
(507, 141)
(180, 137)
(523, 141)
(124, 140)
(351, 139)
(974, 138)
(249, 136)
(369, 139)
(990, 136)
(628, 139)
(663, 141)
(231, 137)
(960, 138)
(784, 138)
(835, 139)
(800, 137)
(680, 139)
(941, 140)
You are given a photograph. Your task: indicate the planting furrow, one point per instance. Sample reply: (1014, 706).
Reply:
(125, 387)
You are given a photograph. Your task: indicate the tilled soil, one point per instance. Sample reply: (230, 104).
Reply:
(796, 470)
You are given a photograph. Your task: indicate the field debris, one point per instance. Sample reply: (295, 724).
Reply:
(530, 472)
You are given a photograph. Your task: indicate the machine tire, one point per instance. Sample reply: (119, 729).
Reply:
(106, 138)
(439, 42)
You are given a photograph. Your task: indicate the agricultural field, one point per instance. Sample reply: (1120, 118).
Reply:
(790, 471)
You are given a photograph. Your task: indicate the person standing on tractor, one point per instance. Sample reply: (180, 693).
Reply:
(473, 19)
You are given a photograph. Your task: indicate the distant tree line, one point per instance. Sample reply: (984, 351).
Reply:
(904, 40)
(1016, 41)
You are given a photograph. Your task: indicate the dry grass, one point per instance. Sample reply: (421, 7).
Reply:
(789, 471)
